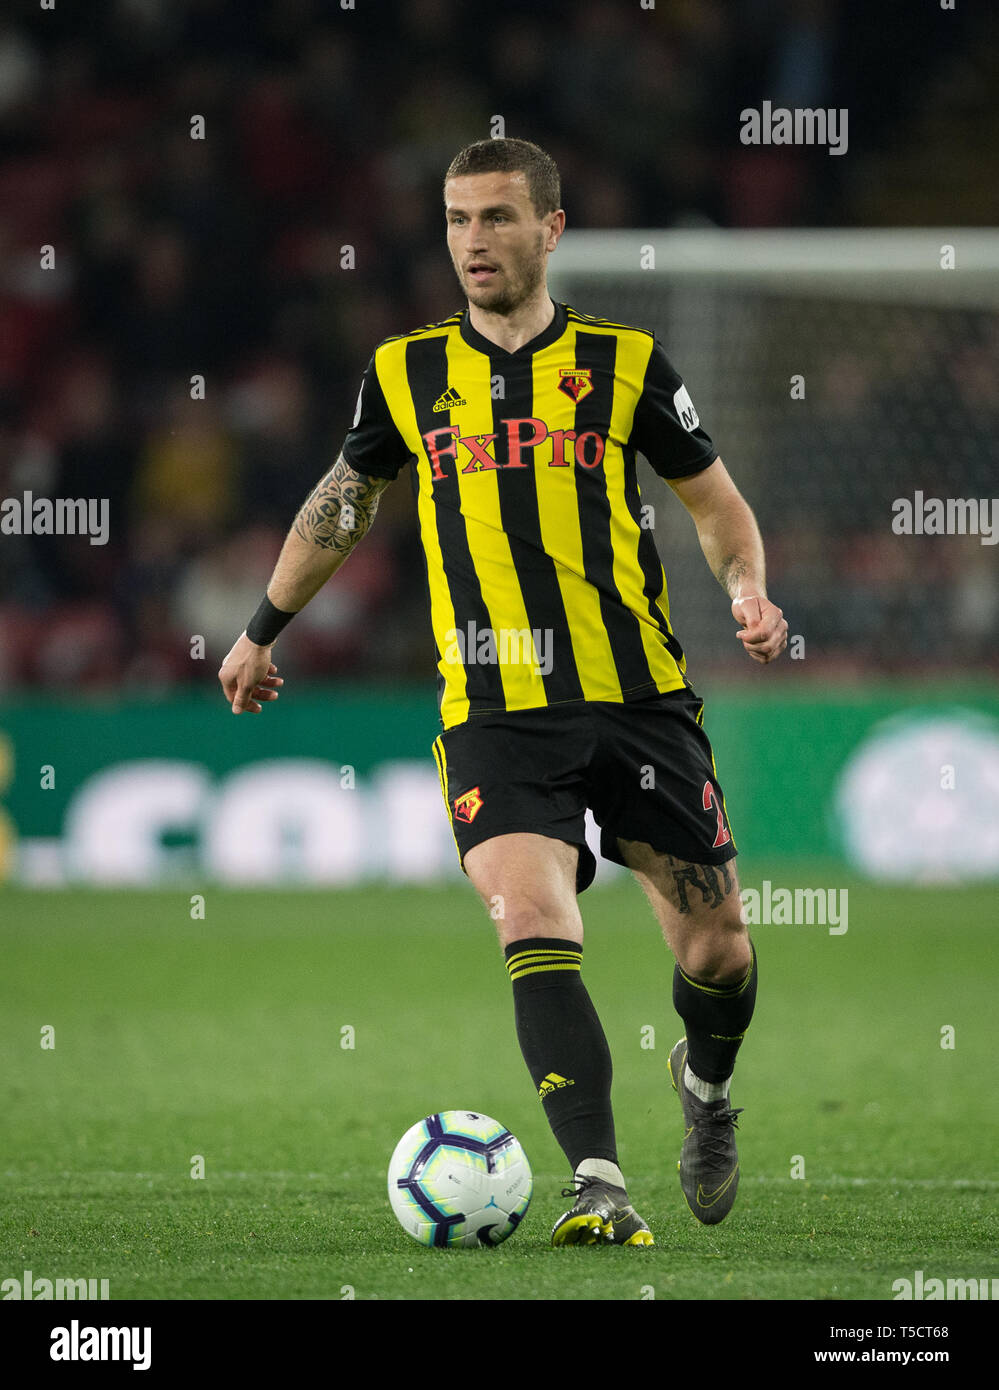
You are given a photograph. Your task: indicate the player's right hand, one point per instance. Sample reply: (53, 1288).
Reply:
(248, 676)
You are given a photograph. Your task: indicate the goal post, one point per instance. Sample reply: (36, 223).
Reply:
(903, 264)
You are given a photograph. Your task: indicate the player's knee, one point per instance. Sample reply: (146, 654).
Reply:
(519, 917)
(720, 956)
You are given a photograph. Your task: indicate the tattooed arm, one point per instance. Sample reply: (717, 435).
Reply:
(733, 548)
(332, 519)
(330, 522)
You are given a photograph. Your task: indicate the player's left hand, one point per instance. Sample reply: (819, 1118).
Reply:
(763, 630)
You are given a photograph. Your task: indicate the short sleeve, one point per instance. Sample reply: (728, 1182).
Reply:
(373, 444)
(666, 428)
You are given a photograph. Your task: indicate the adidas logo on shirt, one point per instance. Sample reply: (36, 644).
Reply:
(450, 400)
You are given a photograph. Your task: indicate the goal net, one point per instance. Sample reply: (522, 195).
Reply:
(848, 380)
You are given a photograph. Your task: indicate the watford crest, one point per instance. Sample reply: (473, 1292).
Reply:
(467, 806)
(576, 382)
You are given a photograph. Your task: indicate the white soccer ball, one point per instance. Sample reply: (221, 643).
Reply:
(459, 1178)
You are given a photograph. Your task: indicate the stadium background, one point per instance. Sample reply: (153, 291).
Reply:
(328, 128)
(223, 256)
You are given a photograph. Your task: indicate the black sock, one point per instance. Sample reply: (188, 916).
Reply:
(563, 1045)
(716, 1017)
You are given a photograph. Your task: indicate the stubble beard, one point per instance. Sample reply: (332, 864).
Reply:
(508, 298)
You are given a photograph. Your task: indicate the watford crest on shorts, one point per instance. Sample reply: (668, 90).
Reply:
(576, 382)
(468, 805)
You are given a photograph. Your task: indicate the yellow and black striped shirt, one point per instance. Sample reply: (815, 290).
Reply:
(545, 585)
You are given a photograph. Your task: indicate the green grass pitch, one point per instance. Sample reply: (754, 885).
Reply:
(176, 1038)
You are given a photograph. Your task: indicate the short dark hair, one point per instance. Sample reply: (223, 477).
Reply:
(510, 157)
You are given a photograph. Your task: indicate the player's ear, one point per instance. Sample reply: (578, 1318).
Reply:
(555, 227)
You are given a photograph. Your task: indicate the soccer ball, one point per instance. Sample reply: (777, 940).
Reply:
(459, 1178)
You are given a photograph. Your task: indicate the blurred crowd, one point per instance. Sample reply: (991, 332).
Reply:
(177, 258)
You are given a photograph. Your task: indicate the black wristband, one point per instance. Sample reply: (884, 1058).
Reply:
(266, 623)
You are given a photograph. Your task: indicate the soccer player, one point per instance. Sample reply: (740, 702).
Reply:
(562, 684)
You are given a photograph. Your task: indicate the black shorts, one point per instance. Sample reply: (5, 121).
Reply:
(644, 768)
